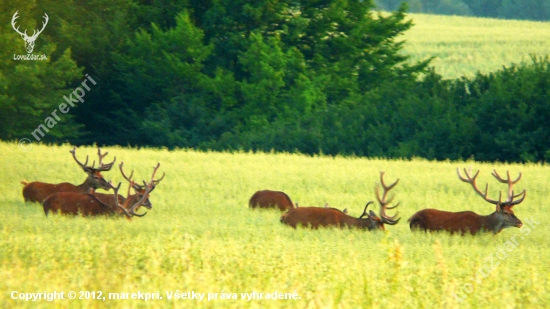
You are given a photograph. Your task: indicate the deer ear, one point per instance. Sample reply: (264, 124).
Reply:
(498, 208)
(372, 214)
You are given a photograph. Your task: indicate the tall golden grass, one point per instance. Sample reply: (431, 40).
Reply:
(201, 236)
(462, 46)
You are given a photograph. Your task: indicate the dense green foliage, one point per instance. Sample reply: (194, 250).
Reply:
(509, 9)
(308, 76)
(200, 235)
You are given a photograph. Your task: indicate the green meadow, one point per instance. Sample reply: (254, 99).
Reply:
(201, 238)
(463, 46)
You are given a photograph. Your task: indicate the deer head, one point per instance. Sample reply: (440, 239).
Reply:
(143, 197)
(378, 222)
(95, 179)
(504, 215)
(29, 40)
(139, 189)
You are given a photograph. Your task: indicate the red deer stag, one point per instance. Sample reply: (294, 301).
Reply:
(271, 199)
(139, 190)
(468, 221)
(71, 203)
(317, 216)
(38, 191)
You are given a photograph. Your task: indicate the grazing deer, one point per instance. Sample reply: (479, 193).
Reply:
(317, 216)
(38, 191)
(271, 199)
(139, 190)
(71, 203)
(468, 221)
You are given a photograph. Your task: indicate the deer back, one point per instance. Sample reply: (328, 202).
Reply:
(315, 217)
(39, 191)
(72, 203)
(271, 199)
(464, 221)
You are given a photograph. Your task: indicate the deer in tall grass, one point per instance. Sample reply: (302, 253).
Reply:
(72, 203)
(138, 189)
(315, 217)
(271, 199)
(468, 221)
(38, 191)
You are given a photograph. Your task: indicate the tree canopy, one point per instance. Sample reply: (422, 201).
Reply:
(310, 76)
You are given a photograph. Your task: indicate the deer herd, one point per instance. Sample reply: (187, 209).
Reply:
(462, 222)
(70, 199)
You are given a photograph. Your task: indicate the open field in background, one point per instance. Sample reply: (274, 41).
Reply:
(200, 235)
(465, 45)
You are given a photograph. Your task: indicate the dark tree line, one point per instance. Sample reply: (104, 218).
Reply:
(309, 76)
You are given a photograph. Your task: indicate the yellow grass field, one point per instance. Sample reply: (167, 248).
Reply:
(201, 239)
(462, 46)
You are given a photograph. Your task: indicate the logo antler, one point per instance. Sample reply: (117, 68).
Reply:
(29, 40)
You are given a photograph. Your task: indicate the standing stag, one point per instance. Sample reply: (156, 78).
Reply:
(468, 221)
(271, 199)
(38, 191)
(71, 203)
(317, 216)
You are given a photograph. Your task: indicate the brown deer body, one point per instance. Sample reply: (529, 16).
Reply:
(38, 191)
(315, 217)
(467, 221)
(71, 203)
(271, 199)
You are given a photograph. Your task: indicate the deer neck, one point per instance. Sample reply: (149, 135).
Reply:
(131, 200)
(492, 223)
(362, 223)
(86, 186)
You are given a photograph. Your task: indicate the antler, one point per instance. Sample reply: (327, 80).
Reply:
(104, 167)
(90, 169)
(365, 210)
(116, 199)
(156, 182)
(510, 201)
(84, 166)
(149, 187)
(384, 201)
(130, 212)
(13, 24)
(34, 33)
(44, 23)
(472, 181)
(129, 178)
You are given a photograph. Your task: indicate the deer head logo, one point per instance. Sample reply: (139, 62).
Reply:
(29, 40)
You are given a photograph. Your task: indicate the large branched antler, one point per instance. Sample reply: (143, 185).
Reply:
(84, 165)
(91, 169)
(104, 167)
(147, 187)
(511, 196)
(384, 201)
(472, 181)
(133, 184)
(510, 200)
